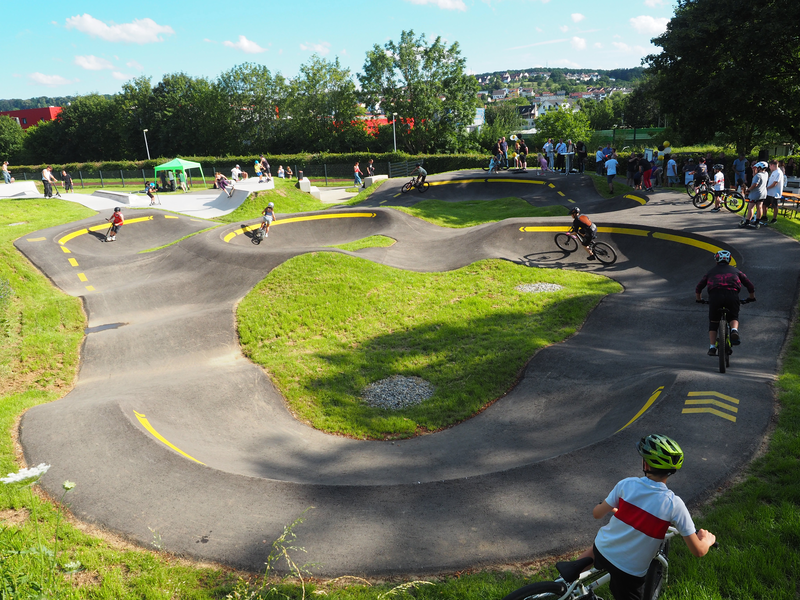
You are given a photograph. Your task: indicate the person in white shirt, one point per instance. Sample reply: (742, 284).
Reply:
(719, 186)
(548, 149)
(775, 185)
(235, 173)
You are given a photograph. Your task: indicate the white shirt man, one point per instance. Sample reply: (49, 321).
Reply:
(235, 173)
(548, 150)
(775, 185)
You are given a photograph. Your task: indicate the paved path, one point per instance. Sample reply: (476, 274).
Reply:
(171, 429)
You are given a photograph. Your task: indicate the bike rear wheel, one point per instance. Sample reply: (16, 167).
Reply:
(734, 202)
(722, 344)
(543, 590)
(566, 242)
(604, 253)
(423, 186)
(703, 200)
(407, 187)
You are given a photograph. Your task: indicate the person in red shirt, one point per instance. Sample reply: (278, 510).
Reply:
(117, 221)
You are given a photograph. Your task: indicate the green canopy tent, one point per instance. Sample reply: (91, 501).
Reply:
(180, 164)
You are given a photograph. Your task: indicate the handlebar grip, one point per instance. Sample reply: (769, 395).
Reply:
(715, 545)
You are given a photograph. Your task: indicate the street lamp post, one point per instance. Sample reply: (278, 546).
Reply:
(146, 147)
(394, 135)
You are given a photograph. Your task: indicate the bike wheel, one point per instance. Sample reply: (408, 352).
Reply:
(656, 575)
(539, 591)
(604, 253)
(423, 186)
(722, 344)
(566, 242)
(407, 187)
(703, 199)
(690, 189)
(734, 202)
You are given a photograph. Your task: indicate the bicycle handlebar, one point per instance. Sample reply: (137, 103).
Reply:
(745, 301)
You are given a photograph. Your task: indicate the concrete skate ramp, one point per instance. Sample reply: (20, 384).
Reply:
(191, 439)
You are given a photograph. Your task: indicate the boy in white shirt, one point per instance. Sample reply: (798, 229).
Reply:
(719, 186)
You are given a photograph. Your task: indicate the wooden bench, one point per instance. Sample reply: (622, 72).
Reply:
(790, 202)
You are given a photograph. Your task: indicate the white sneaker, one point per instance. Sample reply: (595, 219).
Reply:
(266, 235)
(113, 238)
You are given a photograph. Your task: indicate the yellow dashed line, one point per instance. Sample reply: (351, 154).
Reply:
(551, 185)
(35, 239)
(146, 424)
(66, 250)
(562, 194)
(171, 217)
(228, 237)
(570, 200)
(82, 277)
(73, 262)
(89, 288)
(74, 234)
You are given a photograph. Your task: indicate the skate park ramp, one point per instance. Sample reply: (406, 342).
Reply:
(194, 440)
(538, 189)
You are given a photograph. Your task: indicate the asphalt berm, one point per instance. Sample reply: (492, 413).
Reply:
(170, 428)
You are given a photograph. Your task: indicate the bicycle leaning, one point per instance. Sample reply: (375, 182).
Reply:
(730, 199)
(724, 336)
(577, 584)
(570, 240)
(415, 183)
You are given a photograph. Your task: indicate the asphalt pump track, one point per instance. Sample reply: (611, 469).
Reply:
(170, 429)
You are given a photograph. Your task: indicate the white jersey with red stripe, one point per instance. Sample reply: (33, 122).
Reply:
(645, 509)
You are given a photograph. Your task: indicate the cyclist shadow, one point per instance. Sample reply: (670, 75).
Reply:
(560, 259)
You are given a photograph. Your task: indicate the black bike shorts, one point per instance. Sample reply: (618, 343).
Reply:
(624, 586)
(718, 300)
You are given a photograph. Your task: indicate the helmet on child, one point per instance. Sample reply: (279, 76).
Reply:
(660, 452)
(719, 167)
(270, 205)
(575, 211)
(117, 209)
(723, 256)
(761, 165)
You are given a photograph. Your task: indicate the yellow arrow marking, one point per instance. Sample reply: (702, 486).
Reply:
(74, 234)
(647, 405)
(712, 411)
(713, 403)
(73, 262)
(242, 230)
(639, 200)
(717, 394)
(35, 239)
(485, 180)
(146, 424)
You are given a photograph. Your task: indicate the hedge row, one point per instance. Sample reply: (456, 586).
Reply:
(434, 163)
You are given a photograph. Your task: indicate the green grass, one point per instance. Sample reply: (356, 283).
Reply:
(469, 214)
(468, 332)
(601, 185)
(373, 241)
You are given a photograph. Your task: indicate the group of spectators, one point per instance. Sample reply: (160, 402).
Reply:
(565, 156)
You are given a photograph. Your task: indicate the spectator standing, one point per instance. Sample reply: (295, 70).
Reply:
(236, 173)
(549, 151)
(182, 179)
(371, 168)
(6, 173)
(561, 148)
(357, 176)
(289, 173)
(265, 168)
(775, 185)
(504, 149)
(739, 167)
(672, 171)
(66, 181)
(599, 160)
(789, 167)
(582, 151)
(611, 172)
(523, 154)
(48, 180)
(171, 179)
(281, 172)
(569, 153)
(633, 166)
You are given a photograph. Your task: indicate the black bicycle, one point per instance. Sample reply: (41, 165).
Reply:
(569, 242)
(415, 183)
(724, 345)
(731, 200)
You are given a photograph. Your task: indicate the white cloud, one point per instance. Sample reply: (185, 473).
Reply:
(648, 25)
(443, 4)
(93, 63)
(322, 48)
(578, 43)
(653, 3)
(51, 80)
(564, 28)
(598, 45)
(134, 65)
(621, 46)
(121, 76)
(245, 45)
(138, 31)
(577, 17)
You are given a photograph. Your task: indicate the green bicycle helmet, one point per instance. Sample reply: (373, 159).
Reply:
(661, 452)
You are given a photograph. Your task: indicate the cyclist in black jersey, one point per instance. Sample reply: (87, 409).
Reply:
(586, 230)
(724, 283)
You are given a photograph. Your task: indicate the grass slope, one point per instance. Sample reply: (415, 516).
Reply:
(326, 325)
(471, 213)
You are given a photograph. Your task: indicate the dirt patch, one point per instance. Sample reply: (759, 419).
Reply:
(10, 516)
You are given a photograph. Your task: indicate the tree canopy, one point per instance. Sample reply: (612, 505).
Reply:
(730, 67)
(563, 124)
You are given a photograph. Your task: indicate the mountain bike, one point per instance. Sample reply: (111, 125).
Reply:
(570, 240)
(577, 584)
(731, 200)
(693, 190)
(724, 336)
(415, 183)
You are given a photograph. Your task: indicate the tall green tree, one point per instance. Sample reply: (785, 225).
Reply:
(10, 138)
(85, 130)
(427, 86)
(728, 62)
(561, 123)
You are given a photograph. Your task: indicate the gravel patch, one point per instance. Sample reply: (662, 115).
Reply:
(397, 392)
(535, 288)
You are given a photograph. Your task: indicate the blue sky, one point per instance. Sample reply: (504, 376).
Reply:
(62, 48)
